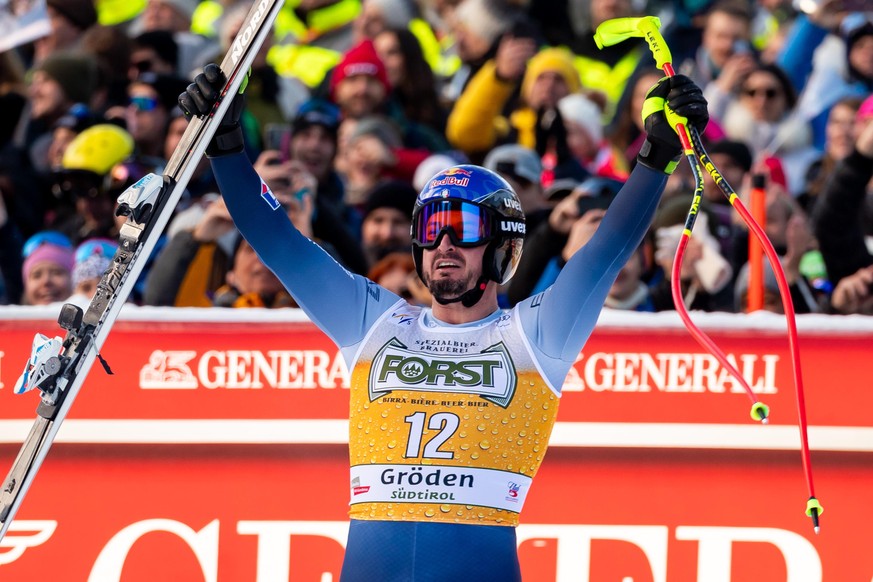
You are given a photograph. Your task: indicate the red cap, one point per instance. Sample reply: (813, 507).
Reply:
(361, 59)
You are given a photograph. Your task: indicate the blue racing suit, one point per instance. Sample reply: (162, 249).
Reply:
(448, 424)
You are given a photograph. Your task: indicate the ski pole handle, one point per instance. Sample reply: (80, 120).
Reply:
(616, 30)
(648, 27)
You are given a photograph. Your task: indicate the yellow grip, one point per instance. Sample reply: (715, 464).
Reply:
(648, 27)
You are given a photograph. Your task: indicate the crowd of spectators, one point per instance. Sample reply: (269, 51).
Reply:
(352, 105)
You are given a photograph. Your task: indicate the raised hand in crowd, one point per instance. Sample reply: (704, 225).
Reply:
(512, 56)
(581, 232)
(214, 224)
(854, 294)
(799, 239)
(737, 67)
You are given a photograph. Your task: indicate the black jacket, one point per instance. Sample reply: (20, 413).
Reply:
(839, 220)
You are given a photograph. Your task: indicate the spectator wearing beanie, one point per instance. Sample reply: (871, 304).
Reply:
(313, 143)
(359, 83)
(387, 219)
(59, 82)
(476, 123)
(523, 169)
(47, 275)
(478, 27)
(69, 20)
(359, 86)
(91, 259)
(154, 52)
(583, 122)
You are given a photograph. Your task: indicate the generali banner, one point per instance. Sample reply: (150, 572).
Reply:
(216, 451)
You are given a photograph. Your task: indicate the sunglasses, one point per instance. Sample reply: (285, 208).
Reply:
(100, 247)
(768, 93)
(78, 184)
(45, 237)
(466, 224)
(143, 103)
(143, 66)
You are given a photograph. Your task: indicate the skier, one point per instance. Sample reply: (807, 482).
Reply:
(451, 406)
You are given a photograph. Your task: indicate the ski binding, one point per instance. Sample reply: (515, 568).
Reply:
(42, 366)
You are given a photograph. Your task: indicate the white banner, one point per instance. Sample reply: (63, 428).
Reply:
(22, 21)
(439, 484)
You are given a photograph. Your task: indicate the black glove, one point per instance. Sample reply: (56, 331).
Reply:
(199, 100)
(672, 100)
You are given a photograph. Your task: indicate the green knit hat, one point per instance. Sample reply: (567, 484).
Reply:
(76, 73)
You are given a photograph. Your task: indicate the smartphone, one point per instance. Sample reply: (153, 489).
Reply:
(742, 47)
(600, 193)
(277, 136)
(586, 203)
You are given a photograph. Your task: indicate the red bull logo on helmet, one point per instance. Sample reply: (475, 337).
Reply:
(452, 177)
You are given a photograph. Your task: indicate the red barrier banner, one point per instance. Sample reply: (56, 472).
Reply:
(216, 452)
(277, 512)
(284, 367)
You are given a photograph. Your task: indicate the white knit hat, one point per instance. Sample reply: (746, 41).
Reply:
(582, 111)
(486, 18)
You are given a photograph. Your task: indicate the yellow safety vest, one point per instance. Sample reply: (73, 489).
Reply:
(112, 12)
(599, 76)
(297, 57)
(441, 64)
(205, 16)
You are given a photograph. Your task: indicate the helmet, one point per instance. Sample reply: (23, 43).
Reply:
(97, 149)
(473, 206)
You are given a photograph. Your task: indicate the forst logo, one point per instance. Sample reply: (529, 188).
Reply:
(417, 370)
(489, 374)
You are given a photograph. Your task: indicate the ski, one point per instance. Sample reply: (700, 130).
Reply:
(58, 368)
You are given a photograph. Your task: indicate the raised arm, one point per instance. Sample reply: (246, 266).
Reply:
(559, 320)
(342, 304)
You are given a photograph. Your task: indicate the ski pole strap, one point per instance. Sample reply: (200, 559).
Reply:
(228, 139)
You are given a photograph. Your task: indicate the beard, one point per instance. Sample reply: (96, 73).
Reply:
(447, 288)
(443, 289)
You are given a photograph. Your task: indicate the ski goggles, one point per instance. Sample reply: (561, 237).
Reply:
(144, 103)
(467, 225)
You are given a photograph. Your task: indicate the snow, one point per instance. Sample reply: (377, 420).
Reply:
(610, 319)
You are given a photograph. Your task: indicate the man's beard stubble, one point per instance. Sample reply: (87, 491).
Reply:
(448, 288)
